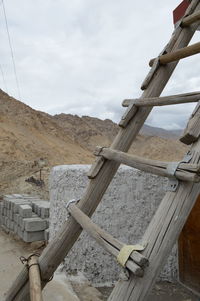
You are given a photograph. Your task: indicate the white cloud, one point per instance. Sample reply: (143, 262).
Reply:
(84, 56)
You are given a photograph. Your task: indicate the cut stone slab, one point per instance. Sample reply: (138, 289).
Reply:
(33, 236)
(25, 210)
(46, 234)
(33, 224)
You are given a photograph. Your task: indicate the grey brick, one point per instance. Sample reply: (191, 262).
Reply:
(11, 225)
(20, 233)
(25, 210)
(15, 228)
(5, 229)
(34, 224)
(33, 236)
(46, 234)
(16, 217)
(4, 211)
(18, 203)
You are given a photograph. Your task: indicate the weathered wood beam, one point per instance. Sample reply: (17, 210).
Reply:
(34, 279)
(136, 261)
(187, 21)
(178, 54)
(58, 248)
(192, 130)
(161, 235)
(163, 101)
(184, 172)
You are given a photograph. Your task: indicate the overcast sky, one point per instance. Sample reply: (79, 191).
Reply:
(85, 56)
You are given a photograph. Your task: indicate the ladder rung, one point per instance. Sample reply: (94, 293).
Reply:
(163, 101)
(187, 21)
(184, 171)
(178, 54)
(136, 262)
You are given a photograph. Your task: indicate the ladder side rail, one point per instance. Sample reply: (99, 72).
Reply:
(58, 248)
(160, 237)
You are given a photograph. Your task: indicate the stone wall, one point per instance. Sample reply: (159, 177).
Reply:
(125, 212)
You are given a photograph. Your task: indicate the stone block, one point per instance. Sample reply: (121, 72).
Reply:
(15, 228)
(47, 222)
(33, 236)
(20, 221)
(5, 229)
(18, 203)
(44, 213)
(4, 211)
(20, 232)
(46, 234)
(3, 220)
(16, 217)
(34, 224)
(11, 215)
(25, 210)
(11, 225)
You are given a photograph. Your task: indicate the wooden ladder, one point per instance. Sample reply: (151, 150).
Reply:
(143, 261)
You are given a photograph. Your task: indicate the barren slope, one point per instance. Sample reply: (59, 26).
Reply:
(27, 135)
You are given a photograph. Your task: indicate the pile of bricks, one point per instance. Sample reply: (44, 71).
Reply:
(26, 216)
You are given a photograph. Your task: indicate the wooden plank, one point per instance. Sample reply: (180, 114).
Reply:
(192, 130)
(34, 279)
(187, 21)
(160, 235)
(184, 172)
(57, 249)
(178, 54)
(163, 101)
(128, 115)
(95, 168)
(135, 262)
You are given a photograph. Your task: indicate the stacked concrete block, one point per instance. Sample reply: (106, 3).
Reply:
(25, 216)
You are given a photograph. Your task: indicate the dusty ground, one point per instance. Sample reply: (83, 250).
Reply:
(74, 288)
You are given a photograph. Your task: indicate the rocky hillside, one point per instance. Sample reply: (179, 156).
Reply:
(27, 135)
(155, 143)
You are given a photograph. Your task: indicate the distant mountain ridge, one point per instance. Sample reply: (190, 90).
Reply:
(27, 134)
(148, 130)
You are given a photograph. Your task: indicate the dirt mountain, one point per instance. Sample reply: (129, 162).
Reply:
(152, 142)
(26, 135)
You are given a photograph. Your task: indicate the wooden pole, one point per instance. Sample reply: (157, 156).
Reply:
(57, 249)
(178, 54)
(34, 280)
(161, 235)
(163, 101)
(109, 243)
(184, 172)
(187, 21)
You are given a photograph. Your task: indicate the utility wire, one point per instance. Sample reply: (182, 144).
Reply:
(11, 50)
(3, 77)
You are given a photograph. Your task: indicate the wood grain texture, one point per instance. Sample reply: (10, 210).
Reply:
(192, 130)
(163, 101)
(187, 21)
(184, 171)
(178, 54)
(57, 249)
(135, 262)
(160, 235)
(34, 279)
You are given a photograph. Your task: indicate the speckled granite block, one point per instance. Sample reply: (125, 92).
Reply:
(125, 212)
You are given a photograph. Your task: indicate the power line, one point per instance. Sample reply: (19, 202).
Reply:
(11, 50)
(3, 77)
